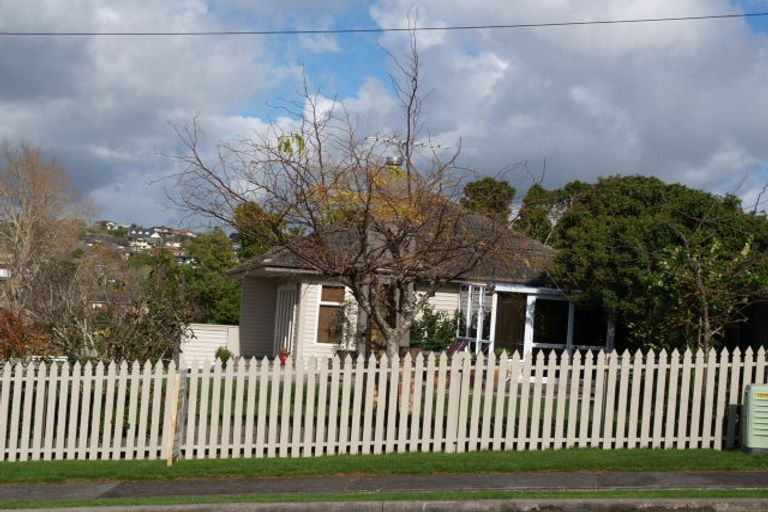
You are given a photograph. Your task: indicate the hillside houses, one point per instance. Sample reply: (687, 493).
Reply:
(133, 239)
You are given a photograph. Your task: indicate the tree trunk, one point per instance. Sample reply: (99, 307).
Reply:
(362, 336)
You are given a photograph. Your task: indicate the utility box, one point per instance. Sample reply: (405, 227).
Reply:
(754, 419)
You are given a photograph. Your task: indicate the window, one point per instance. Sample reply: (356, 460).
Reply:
(589, 327)
(550, 323)
(329, 322)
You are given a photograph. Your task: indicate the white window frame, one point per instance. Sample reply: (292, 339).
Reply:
(321, 302)
(532, 295)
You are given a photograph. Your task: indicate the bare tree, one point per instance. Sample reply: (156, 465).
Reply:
(378, 212)
(40, 219)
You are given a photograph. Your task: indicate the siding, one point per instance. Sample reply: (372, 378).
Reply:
(257, 316)
(309, 304)
(309, 308)
(446, 299)
(207, 338)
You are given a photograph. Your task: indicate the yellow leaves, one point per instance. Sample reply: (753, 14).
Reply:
(292, 145)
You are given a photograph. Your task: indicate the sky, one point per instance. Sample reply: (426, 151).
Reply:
(684, 101)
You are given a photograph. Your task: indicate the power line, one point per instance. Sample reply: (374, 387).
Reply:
(374, 30)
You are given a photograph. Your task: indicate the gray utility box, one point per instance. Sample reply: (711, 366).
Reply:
(754, 419)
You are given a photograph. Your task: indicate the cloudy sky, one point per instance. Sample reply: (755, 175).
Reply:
(683, 101)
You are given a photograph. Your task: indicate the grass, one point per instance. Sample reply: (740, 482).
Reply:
(400, 496)
(587, 459)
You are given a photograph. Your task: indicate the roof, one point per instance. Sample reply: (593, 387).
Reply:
(519, 260)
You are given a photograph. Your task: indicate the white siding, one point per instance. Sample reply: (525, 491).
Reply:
(309, 304)
(309, 311)
(257, 316)
(205, 339)
(446, 299)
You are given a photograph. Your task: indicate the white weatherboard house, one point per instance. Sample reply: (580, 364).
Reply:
(287, 306)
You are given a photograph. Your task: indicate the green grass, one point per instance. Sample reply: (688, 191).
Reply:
(400, 496)
(588, 459)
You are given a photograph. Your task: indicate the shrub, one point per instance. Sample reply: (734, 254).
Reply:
(223, 354)
(17, 338)
(434, 330)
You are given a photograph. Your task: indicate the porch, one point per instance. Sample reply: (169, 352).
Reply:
(524, 319)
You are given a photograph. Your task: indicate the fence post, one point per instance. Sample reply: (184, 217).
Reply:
(178, 414)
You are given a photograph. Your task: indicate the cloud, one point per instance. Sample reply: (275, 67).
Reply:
(683, 101)
(103, 104)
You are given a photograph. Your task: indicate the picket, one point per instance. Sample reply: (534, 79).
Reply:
(499, 441)
(464, 396)
(709, 385)
(418, 403)
(333, 410)
(321, 446)
(226, 415)
(192, 401)
(404, 404)
(298, 404)
(357, 402)
(489, 380)
(414, 408)
(522, 420)
(549, 396)
(597, 410)
(621, 409)
(669, 429)
(610, 397)
(562, 388)
(119, 424)
(309, 410)
(253, 419)
(74, 409)
(648, 381)
(98, 397)
(144, 379)
(722, 373)
(133, 402)
(438, 443)
(272, 373)
(237, 432)
(579, 399)
(635, 383)
(696, 398)
(661, 386)
(50, 415)
(285, 409)
(38, 426)
(346, 385)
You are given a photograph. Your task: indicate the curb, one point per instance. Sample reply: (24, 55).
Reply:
(574, 505)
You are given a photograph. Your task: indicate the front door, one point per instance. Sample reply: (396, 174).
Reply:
(510, 322)
(285, 316)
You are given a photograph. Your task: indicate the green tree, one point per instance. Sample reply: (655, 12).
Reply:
(490, 197)
(254, 230)
(664, 260)
(216, 296)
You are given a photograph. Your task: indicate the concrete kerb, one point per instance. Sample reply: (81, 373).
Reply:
(595, 505)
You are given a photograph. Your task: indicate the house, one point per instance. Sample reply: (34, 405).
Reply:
(287, 306)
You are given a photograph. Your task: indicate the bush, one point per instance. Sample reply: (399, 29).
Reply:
(18, 339)
(434, 330)
(223, 354)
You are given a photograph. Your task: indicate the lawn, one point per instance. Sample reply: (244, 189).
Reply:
(400, 496)
(585, 459)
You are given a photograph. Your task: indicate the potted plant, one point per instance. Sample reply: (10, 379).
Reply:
(283, 355)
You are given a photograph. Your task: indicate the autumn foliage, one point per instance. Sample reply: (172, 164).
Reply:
(19, 339)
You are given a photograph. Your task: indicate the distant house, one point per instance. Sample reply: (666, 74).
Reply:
(287, 306)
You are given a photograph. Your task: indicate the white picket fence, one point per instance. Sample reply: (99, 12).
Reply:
(422, 404)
